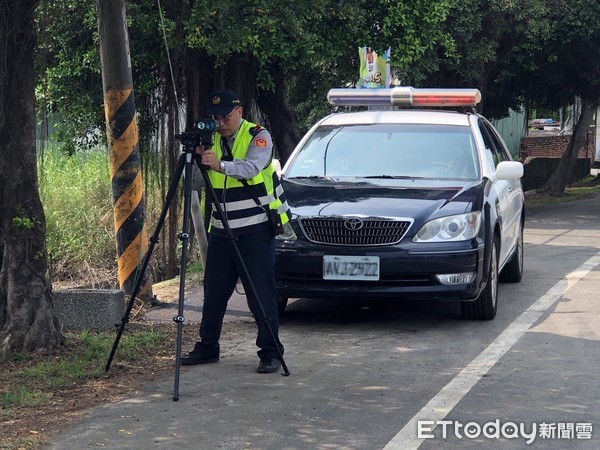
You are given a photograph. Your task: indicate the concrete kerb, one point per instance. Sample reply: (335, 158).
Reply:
(93, 309)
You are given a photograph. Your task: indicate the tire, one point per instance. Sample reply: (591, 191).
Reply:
(282, 303)
(513, 271)
(486, 305)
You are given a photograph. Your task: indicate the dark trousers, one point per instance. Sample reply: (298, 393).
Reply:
(220, 278)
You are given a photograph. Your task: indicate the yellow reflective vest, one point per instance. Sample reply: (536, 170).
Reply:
(237, 201)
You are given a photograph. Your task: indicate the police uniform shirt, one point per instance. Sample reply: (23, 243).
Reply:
(256, 158)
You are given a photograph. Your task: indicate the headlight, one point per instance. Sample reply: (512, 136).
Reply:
(461, 227)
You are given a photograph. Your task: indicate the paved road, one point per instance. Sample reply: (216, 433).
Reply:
(377, 375)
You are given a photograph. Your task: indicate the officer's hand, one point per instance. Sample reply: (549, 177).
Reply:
(210, 160)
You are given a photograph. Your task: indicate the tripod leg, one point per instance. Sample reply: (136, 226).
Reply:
(183, 236)
(245, 275)
(142, 269)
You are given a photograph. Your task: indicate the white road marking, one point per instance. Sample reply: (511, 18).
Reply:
(449, 396)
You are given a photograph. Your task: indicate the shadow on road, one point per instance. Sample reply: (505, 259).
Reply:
(305, 311)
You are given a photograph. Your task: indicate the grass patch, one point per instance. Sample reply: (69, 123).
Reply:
(83, 359)
(76, 193)
(22, 397)
(20, 444)
(45, 393)
(585, 188)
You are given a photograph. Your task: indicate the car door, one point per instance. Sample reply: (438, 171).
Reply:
(503, 191)
(515, 194)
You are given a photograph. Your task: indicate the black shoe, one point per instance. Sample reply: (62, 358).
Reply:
(199, 356)
(268, 365)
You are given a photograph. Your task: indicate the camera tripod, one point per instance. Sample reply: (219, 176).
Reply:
(185, 166)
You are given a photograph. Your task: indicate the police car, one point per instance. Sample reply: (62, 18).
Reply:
(422, 203)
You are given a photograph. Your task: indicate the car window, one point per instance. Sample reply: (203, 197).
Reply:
(388, 150)
(503, 154)
(491, 152)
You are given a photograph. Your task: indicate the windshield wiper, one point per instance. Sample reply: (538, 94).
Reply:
(309, 177)
(394, 177)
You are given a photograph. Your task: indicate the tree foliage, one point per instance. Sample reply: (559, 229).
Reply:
(493, 42)
(515, 51)
(568, 64)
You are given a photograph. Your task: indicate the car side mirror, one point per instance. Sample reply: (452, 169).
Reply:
(509, 170)
(277, 166)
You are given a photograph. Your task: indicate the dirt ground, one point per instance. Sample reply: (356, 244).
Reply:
(32, 427)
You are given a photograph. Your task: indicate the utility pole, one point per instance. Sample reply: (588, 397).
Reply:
(123, 145)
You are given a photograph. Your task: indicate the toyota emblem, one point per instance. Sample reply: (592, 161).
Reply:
(353, 223)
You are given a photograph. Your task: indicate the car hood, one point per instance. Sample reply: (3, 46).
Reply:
(419, 200)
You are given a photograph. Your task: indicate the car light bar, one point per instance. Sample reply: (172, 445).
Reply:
(404, 96)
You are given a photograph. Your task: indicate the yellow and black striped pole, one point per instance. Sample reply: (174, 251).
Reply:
(122, 132)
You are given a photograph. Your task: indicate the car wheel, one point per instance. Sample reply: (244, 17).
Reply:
(486, 305)
(513, 271)
(282, 303)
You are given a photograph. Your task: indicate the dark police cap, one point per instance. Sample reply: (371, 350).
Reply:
(220, 103)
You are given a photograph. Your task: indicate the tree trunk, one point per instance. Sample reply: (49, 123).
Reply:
(558, 181)
(27, 320)
(283, 122)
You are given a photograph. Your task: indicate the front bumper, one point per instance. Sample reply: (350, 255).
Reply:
(406, 271)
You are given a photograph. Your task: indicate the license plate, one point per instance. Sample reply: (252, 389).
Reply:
(350, 267)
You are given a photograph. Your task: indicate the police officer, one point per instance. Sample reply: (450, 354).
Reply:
(242, 151)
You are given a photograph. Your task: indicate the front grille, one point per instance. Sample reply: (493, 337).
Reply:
(338, 230)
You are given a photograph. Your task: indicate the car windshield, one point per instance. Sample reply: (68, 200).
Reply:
(388, 151)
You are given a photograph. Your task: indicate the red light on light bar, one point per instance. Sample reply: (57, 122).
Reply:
(404, 96)
(445, 97)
